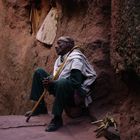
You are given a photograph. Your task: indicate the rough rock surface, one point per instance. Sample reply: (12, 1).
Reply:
(125, 35)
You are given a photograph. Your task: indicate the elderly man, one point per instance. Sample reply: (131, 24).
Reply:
(74, 73)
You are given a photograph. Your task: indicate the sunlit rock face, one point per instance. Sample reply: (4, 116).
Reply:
(19, 55)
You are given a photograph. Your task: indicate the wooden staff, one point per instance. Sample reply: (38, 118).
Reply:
(35, 106)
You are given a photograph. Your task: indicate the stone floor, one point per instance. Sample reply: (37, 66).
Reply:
(16, 128)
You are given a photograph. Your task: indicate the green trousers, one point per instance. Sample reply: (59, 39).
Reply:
(62, 89)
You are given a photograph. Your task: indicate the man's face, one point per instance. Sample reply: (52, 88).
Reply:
(62, 47)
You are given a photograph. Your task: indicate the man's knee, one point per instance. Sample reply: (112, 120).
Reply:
(61, 83)
(40, 72)
(63, 86)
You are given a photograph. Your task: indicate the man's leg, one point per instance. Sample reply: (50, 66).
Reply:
(37, 90)
(63, 92)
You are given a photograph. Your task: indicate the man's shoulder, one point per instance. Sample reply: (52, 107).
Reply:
(76, 53)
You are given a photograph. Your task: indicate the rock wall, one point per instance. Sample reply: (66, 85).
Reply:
(13, 56)
(125, 35)
(19, 56)
(125, 59)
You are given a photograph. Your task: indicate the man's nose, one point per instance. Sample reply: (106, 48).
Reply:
(56, 46)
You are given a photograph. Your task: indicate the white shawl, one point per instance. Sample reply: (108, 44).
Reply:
(77, 60)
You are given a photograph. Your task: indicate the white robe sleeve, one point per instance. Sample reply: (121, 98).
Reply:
(77, 64)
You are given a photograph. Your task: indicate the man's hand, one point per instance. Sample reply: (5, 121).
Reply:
(47, 82)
